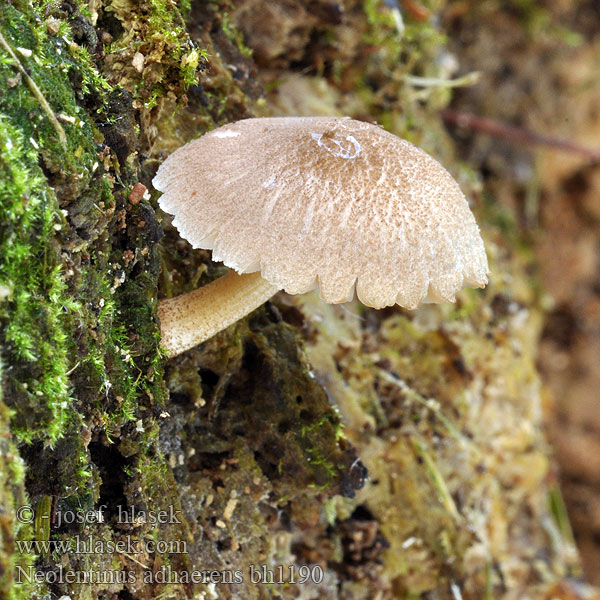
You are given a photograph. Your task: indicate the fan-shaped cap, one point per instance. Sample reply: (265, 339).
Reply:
(328, 201)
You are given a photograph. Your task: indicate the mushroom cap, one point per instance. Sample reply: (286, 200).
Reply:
(326, 201)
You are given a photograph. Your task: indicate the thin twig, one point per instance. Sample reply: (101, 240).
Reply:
(439, 483)
(424, 82)
(135, 560)
(36, 92)
(520, 135)
(428, 403)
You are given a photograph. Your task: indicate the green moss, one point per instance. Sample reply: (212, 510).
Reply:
(12, 496)
(170, 60)
(234, 35)
(35, 312)
(167, 24)
(378, 16)
(539, 23)
(41, 309)
(115, 302)
(77, 319)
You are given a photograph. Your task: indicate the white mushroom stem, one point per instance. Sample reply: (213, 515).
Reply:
(192, 318)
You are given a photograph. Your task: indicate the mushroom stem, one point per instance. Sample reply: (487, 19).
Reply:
(192, 318)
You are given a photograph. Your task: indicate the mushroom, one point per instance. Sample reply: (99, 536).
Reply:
(293, 203)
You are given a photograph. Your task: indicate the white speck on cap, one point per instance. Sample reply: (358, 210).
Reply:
(220, 133)
(326, 201)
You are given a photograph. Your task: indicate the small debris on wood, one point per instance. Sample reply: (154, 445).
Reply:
(137, 193)
(52, 25)
(138, 62)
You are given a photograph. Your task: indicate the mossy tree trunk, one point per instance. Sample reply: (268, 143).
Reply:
(240, 442)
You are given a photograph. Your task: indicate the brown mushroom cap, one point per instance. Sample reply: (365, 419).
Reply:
(326, 201)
